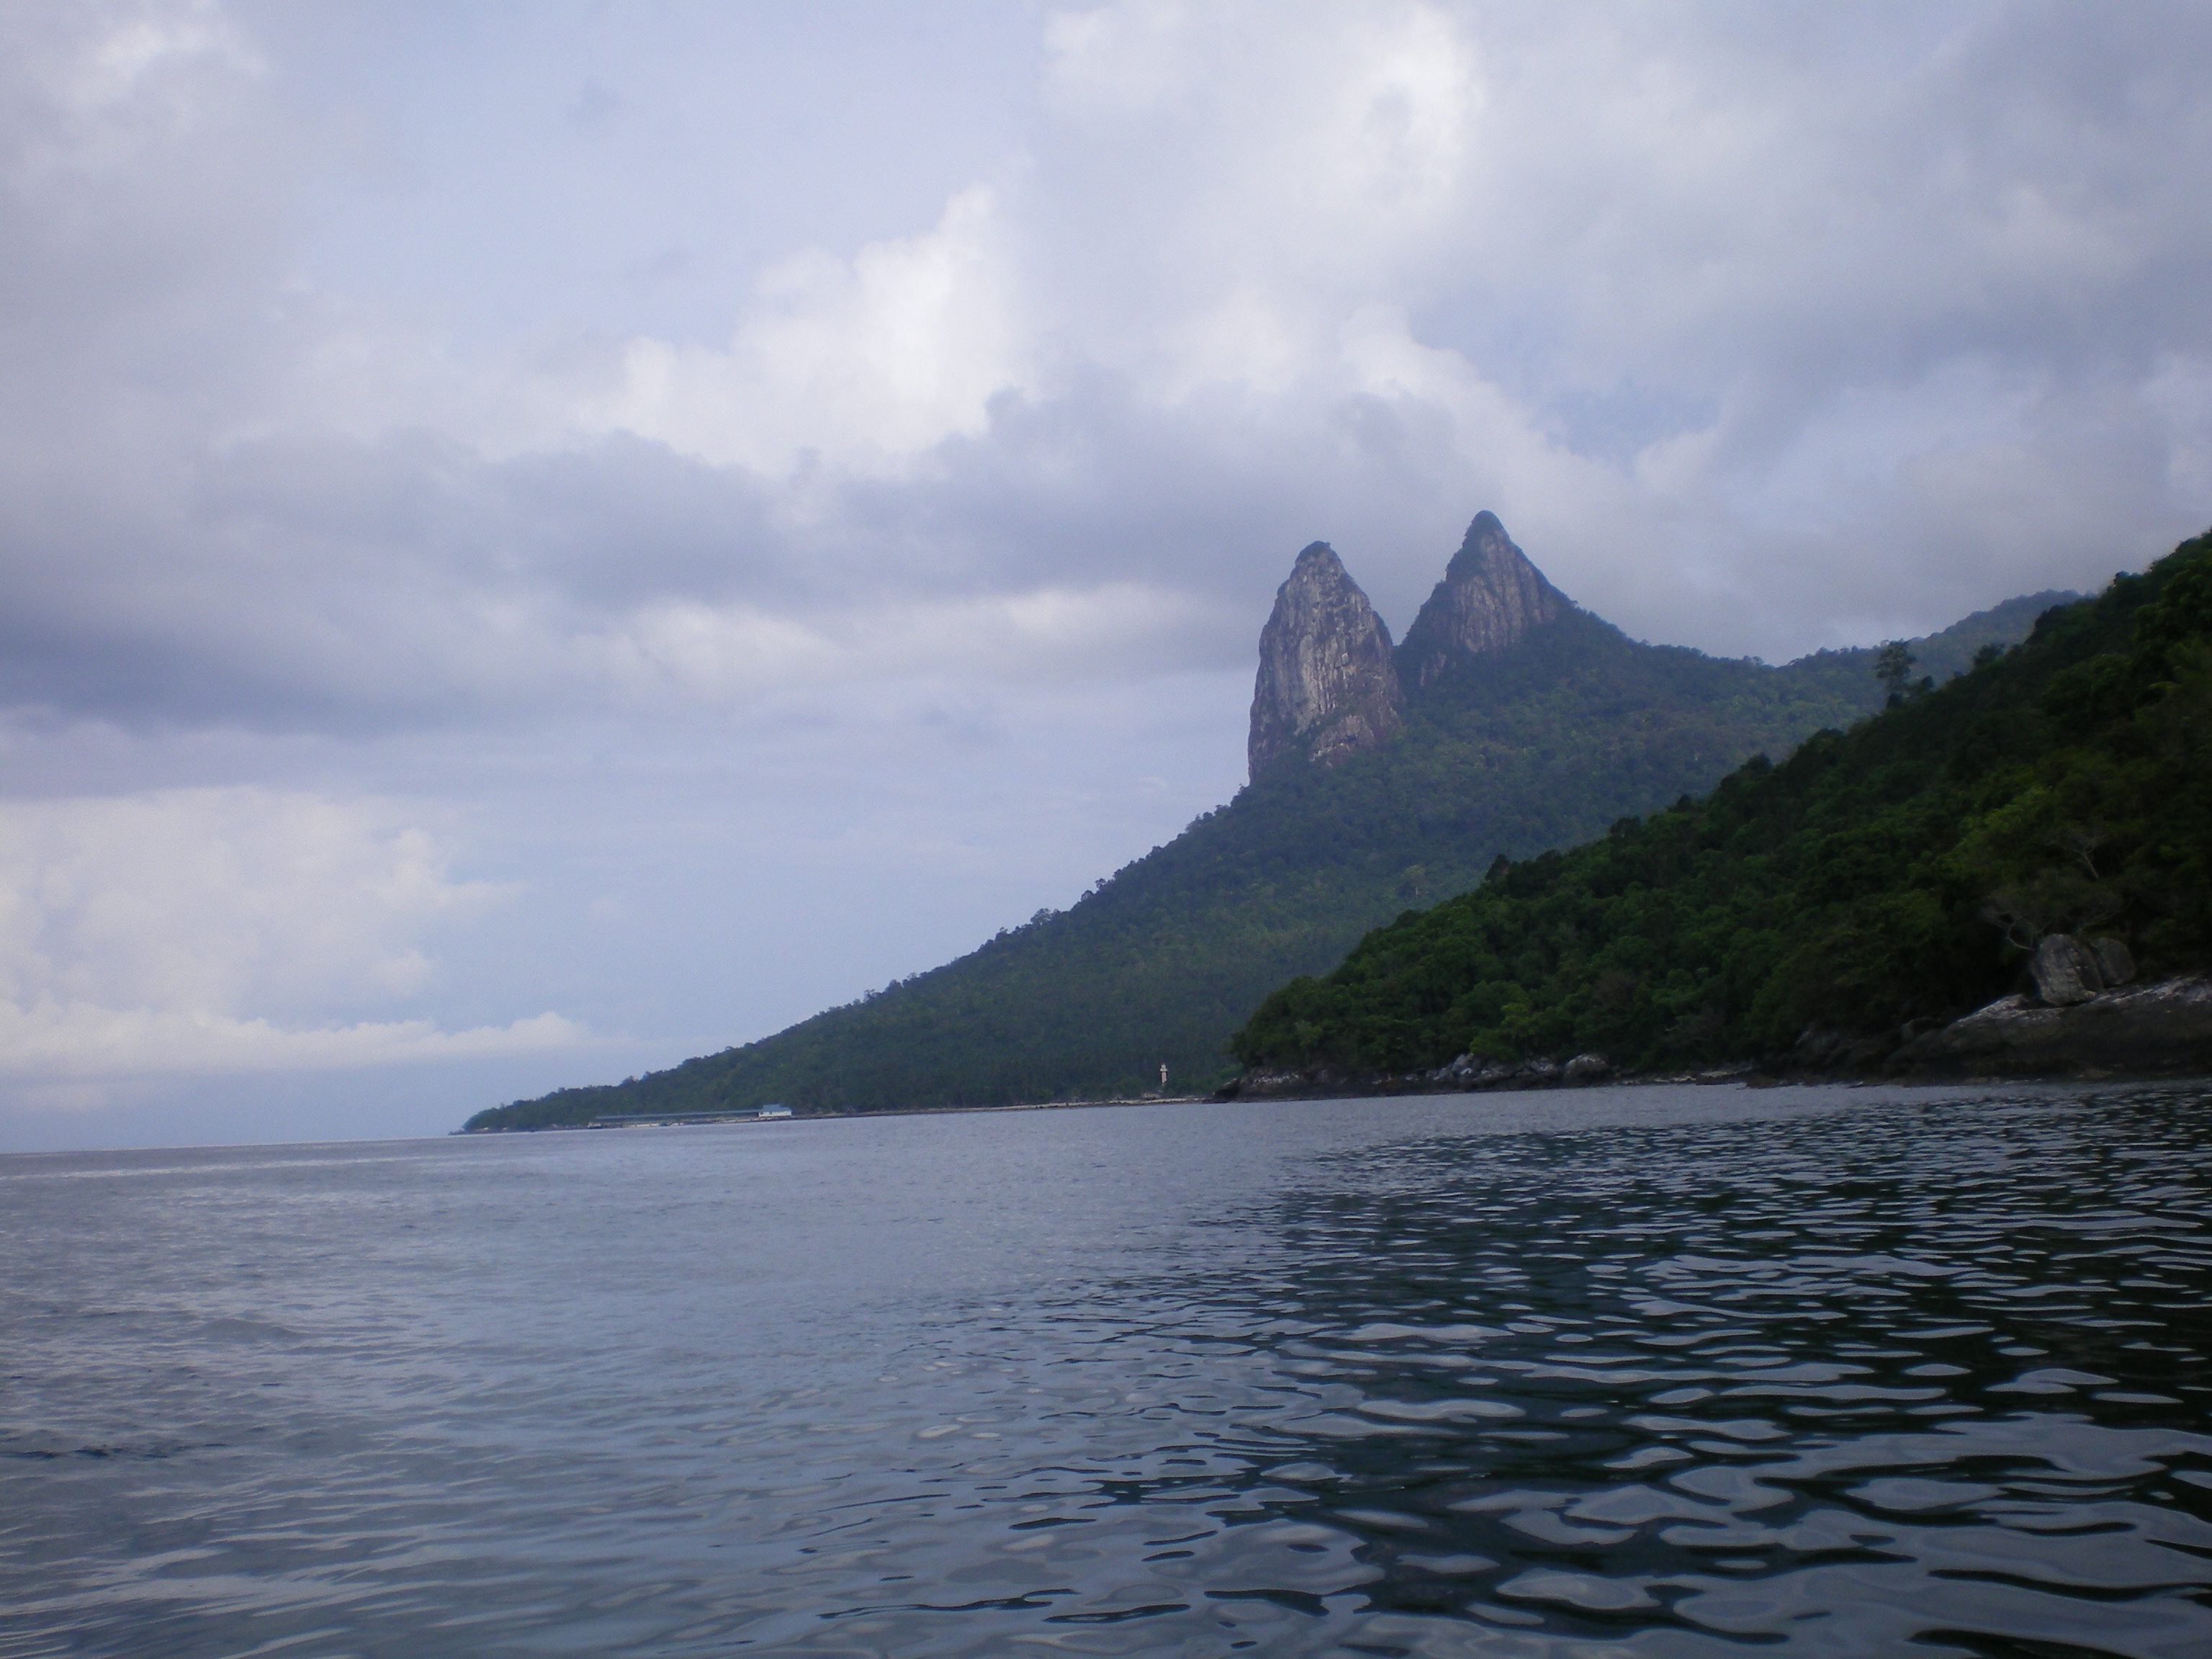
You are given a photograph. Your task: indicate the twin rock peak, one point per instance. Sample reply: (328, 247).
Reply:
(1331, 684)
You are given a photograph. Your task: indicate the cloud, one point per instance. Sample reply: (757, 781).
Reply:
(1754, 329)
(227, 930)
(72, 1043)
(860, 364)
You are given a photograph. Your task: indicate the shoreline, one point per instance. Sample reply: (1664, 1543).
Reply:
(1395, 1088)
(2156, 1031)
(2081, 1028)
(674, 1123)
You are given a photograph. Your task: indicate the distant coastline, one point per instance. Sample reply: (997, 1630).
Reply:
(1509, 720)
(802, 1115)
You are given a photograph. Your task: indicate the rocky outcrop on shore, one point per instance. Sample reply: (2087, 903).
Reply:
(1327, 681)
(2085, 1017)
(1465, 1074)
(2163, 1029)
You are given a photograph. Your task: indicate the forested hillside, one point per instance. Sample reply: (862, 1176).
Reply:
(1537, 746)
(1898, 871)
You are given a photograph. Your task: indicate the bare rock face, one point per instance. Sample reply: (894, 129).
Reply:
(2162, 1028)
(1326, 682)
(1491, 598)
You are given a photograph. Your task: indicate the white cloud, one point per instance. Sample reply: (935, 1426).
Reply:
(75, 1042)
(227, 930)
(683, 651)
(859, 364)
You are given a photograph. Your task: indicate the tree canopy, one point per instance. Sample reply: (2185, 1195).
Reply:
(1899, 870)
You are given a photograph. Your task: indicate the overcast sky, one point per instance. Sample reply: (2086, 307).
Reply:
(539, 542)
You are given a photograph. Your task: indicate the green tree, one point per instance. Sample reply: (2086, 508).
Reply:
(1893, 872)
(1892, 667)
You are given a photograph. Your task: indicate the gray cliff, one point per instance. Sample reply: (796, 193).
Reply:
(1327, 685)
(1491, 598)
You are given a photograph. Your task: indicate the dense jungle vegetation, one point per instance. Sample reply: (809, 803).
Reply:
(1539, 747)
(1900, 869)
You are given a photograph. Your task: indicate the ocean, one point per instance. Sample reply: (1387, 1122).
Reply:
(1609, 1374)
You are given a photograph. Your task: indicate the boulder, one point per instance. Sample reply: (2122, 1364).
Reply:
(2115, 966)
(1820, 1048)
(1588, 1068)
(1828, 1050)
(2065, 970)
(1267, 1083)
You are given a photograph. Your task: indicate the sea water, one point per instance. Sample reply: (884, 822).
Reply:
(1666, 1372)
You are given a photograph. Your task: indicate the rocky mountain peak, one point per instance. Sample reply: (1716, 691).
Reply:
(1326, 682)
(1491, 598)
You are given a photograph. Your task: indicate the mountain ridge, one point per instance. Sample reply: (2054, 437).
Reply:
(1538, 724)
(2041, 824)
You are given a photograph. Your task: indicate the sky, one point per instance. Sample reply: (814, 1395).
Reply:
(537, 543)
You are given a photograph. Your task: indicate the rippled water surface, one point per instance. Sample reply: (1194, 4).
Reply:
(1631, 1372)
